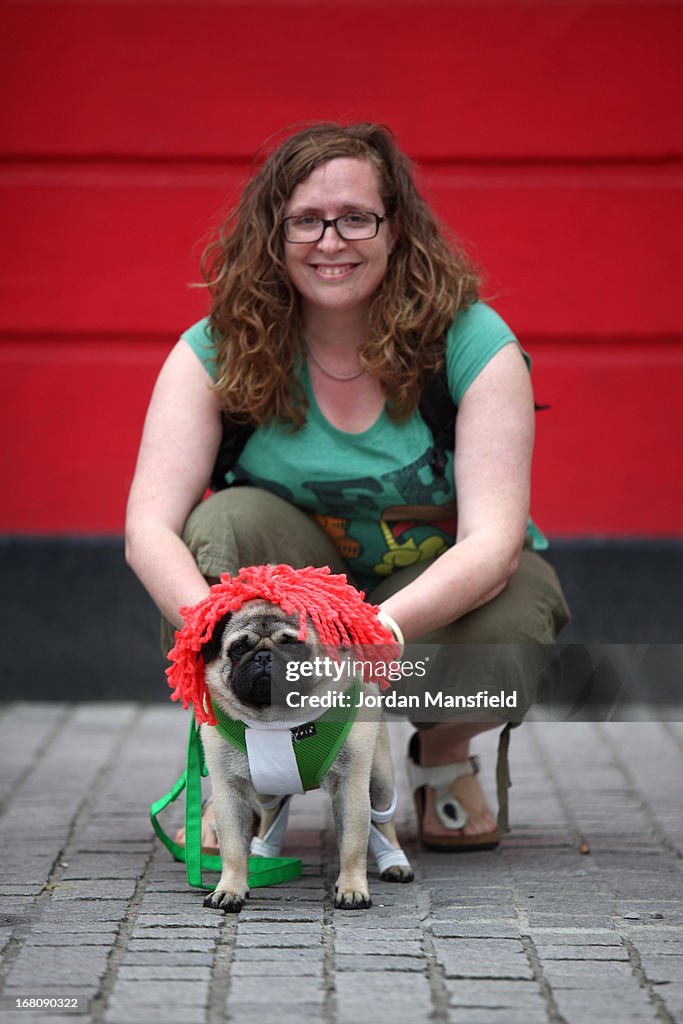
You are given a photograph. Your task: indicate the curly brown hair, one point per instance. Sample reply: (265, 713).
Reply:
(255, 316)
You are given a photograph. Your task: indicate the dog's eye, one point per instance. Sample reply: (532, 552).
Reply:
(290, 639)
(239, 648)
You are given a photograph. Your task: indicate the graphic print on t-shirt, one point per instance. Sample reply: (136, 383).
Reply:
(381, 524)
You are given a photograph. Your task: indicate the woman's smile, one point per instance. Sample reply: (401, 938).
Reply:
(334, 271)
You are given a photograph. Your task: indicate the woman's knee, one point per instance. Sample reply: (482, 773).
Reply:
(531, 609)
(248, 526)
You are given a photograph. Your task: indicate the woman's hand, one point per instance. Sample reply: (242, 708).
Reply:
(493, 450)
(179, 444)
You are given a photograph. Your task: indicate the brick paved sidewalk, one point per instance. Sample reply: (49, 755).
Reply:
(92, 905)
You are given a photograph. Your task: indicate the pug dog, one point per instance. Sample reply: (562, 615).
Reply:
(245, 674)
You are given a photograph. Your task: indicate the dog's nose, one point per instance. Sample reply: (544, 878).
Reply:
(252, 683)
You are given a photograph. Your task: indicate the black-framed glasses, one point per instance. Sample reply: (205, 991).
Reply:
(352, 227)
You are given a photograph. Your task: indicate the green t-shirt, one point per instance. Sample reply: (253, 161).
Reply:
(374, 493)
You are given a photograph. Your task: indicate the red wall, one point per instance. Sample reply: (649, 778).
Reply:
(549, 138)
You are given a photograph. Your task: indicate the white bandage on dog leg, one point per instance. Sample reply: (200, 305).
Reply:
(386, 855)
(380, 817)
(272, 842)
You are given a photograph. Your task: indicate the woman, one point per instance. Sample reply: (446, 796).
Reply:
(335, 298)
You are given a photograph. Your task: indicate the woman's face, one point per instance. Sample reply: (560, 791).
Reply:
(334, 275)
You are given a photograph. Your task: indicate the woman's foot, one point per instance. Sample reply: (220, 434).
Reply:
(480, 822)
(209, 838)
(453, 811)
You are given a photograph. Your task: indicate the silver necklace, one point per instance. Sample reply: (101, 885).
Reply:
(329, 373)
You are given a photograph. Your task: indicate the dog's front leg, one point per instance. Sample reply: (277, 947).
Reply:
(352, 822)
(350, 794)
(233, 828)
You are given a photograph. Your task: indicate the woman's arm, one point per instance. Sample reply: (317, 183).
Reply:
(179, 444)
(493, 449)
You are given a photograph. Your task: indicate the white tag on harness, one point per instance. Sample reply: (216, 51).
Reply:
(272, 762)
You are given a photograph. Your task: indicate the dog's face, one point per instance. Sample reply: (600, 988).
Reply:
(249, 663)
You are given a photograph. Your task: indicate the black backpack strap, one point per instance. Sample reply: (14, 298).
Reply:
(438, 410)
(235, 436)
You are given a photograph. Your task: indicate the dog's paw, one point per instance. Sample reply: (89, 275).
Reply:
(228, 902)
(352, 899)
(398, 873)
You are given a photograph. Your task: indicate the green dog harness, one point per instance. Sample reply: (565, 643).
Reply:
(315, 745)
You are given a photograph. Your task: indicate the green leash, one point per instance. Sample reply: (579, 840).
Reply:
(262, 870)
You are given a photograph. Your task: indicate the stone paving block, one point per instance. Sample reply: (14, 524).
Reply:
(255, 912)
(477, 929)
(161, 974)
(290, 956)
(667, 941)
(483, 958)
(76, 939)
(586, 1006)
(385, 964)
(267, 968)
(49, 965)
(403, 998)
(509, 1015)
(104, 866)
(22, 743)
(129, 1013)
(172, 993)
(588, 922)
(205, 936)
(640, 910)
(294, 989)
(17, 891)
(163, 958)
(96, 890)
(171, 945)
(244, 1011)
(304, 929)
(461, 912)
(72, 918)
(672, 996)
(494, 993)
(385, 946)
(574, 936)
(176, 924)
(580, 952)
(372, 920)
(279, 938)
(661, 968)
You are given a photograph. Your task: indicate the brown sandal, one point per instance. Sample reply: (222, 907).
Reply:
(431, 787)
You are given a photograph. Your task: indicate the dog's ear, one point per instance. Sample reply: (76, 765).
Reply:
(212, 647)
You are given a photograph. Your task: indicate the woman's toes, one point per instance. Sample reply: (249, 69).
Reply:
(468, 791)
(209, 838)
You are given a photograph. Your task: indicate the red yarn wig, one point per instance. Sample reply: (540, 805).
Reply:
(337, 610)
